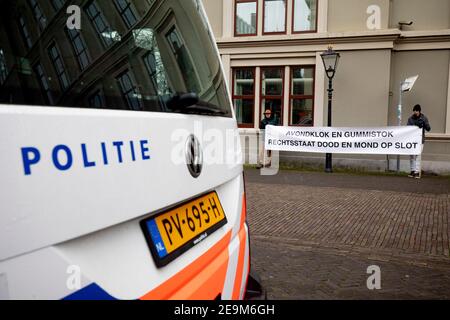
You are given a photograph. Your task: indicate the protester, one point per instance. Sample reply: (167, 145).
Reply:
(265, 157)
(420, 120)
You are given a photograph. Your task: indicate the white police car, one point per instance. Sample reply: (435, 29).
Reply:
(120, 165)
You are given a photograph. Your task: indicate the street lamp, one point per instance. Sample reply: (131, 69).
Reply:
(405, 86)
(330, 60)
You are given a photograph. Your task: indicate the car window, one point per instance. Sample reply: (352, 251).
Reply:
(124, 54)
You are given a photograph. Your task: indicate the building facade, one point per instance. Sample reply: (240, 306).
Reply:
(271, 53)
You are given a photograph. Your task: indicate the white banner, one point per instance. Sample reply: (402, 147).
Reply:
(387, 140)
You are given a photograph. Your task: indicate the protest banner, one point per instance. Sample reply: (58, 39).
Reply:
(405, 140)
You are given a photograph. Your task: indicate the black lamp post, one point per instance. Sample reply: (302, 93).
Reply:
(330, 60)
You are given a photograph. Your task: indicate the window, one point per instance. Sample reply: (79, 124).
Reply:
(274, 16)
(301, 110)
(156, 72)
(25, 33)
(129, 91)
(38, 14)
(183, 60)
(246, 17)
(58, 64)
(58, 4)
(126, 12)
(96, 100)
(79, 46)
(244, 96)
(3, 67)
(100, 24)
(305, 16)
(43, 83)
(272, 91)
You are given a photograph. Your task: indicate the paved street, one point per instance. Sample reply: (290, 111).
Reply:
(314, 235)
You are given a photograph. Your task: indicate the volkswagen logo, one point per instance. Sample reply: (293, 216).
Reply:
(194, 156)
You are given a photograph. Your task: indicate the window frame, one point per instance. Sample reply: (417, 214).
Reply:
(271, 97)
(153, 76)
(55, 6)
(264, 18)
(84, 51)
(121, 12)
(25, 32)
(53, 44)
(244, 97)
(47, 94)
(107, 42)
(98, 92)
(299, 97)
(128, 71)
(236, 2)
(41, 20)
(306, 31)
(3, 65)
(174, 54)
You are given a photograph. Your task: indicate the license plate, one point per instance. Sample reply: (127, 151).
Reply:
(175, 231)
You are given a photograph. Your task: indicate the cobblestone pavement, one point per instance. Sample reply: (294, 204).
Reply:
(314, 235)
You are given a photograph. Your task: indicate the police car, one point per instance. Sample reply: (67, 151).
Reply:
(120, 165)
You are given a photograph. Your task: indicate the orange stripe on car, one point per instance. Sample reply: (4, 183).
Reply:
(202, 279)
(240, 265)
(241, 259)
(244, 211)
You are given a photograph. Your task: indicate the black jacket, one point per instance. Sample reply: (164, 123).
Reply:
(271, 121)
(421, 122)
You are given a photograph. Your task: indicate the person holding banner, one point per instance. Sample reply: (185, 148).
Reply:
(265, 156)
(420, 120)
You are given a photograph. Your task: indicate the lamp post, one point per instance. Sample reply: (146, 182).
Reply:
(330, 60)
(405, 86)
